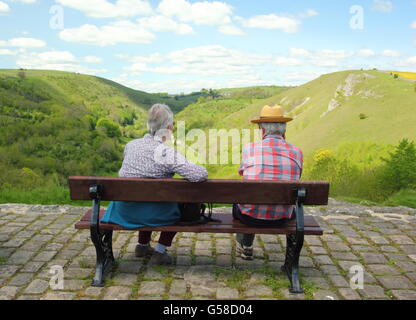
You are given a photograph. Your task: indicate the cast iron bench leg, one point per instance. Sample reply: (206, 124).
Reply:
(105, 258)
(102, 240)
(291, 266)
(294, 244)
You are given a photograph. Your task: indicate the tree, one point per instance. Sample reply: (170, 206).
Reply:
(22, 74)
(400, 170)
(108, 127)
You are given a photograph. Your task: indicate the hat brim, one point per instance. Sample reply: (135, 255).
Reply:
(272, 120)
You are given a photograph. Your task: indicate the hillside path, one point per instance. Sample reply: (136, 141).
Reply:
(381, 240)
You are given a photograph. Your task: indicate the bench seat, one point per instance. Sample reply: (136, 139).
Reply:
(227, 225)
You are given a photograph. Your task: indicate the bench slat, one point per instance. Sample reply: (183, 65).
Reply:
(212, 191)
(228, 225)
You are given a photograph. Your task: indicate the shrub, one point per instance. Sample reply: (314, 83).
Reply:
(109, 128)
(346, 177)
(22, 75)
(400, 169)
(404, 197)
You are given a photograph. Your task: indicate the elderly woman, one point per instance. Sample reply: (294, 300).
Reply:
(149, 157)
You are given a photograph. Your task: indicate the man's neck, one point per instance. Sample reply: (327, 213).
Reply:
(278, 135)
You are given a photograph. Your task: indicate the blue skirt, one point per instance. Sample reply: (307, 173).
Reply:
(134, 215)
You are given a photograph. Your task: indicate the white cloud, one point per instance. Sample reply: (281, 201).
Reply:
(159, 23)
(202, 61)
(214, 53)
(92, 59)
(200, 13)
(25, 1)
(309, 13)
(411, 60)
(111, 34)
(231, 30)
(301, 76)
(153, 58)
(7, 52)
(106, 9)
(283, 61)
(413, 25)
(185, 85)
(229, 67)
(299, 52)
(391, 53)
(171, 86)
(54, 60)
(325, 58)
(366, 53)
(335, 54)
(56, 56)
(4, 8)
(383, 5)
(272, 21)
(23, 43)
(328, 58)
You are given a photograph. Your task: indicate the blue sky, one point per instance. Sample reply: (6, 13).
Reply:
(186, 45)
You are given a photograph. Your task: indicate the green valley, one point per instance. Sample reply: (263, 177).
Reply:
(55, 124)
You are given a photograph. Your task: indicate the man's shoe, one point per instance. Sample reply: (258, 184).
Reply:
(143, 251)
(160, 259)
(246, 253)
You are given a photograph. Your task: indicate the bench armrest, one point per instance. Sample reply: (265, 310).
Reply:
(300, 217)
(95, 194)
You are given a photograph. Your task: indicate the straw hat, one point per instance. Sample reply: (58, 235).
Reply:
(272, 113)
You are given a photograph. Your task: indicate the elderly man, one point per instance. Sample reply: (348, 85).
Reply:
(149, 157)
(270, 159)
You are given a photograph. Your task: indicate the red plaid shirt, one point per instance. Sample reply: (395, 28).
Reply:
(270, 159)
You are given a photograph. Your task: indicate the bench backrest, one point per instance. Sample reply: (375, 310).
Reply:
(212, 191)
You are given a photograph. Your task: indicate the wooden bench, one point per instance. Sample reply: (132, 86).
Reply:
(298, 193)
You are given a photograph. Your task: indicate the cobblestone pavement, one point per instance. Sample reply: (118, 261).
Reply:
(35, 239)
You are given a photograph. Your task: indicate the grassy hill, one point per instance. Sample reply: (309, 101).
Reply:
(55, 124)
(366, 106)
(210, 113)
(351, 119)
(176, 102)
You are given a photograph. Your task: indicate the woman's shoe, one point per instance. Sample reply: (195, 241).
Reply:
(246, 253)
(143, 251)
(160, 259)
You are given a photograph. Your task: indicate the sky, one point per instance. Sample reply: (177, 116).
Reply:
(177, 46)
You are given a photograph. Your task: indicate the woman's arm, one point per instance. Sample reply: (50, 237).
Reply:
(178, 164)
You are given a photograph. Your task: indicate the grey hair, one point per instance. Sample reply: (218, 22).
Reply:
(160, 118)
(274, 127)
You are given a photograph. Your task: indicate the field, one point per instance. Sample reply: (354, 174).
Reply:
(406, 75)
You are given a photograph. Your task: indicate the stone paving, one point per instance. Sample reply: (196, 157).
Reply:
(35, 239)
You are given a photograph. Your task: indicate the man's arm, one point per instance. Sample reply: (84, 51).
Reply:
(243, 165)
